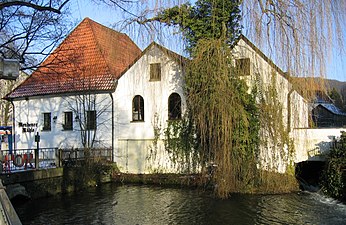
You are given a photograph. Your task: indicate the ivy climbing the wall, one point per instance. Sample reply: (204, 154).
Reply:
(182, 145)
(276, 148)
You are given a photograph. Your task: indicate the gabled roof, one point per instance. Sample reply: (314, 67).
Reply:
(175, 56)
(261, 54)
(91, 58)
(331, 108)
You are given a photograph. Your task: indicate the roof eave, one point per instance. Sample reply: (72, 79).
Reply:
(60, 94)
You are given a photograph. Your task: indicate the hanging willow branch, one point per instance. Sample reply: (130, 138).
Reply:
(225, 116)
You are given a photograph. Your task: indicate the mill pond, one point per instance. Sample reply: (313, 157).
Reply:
(114, 204)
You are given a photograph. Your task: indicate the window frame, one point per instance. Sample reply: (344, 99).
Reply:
(47, 121)
(68, 125)
(243, 66)
(155, 71)
(91, 120)
(174, 113)
(138, 103)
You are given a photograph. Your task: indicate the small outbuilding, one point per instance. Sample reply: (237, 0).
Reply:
(328, 115)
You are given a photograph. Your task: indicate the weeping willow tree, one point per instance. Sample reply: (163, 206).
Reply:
(223, 112)
(300, 34)
(225, 115)
(297, 34)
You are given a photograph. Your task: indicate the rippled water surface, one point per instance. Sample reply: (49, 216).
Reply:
(112, 204)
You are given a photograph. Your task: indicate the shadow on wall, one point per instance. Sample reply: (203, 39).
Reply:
(321, 150)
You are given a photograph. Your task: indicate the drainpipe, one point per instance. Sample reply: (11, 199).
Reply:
(112, 126)
(13, 126)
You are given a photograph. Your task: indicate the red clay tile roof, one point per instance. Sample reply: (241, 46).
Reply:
(89, 59)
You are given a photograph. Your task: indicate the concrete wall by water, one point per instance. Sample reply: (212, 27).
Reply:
(7, 213)
(313, 144)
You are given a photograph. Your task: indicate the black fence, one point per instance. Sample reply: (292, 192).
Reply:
(73, 157)
(29, 159)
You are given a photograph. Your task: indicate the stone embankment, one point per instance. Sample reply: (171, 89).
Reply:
(7, 213)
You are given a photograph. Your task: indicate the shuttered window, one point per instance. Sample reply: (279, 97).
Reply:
(155, 72)
(242, 66)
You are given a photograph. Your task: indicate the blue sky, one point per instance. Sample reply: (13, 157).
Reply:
(336, 64)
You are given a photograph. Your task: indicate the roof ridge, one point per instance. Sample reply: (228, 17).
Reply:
(179, 58)
(65, 39)
(97, 42)
(261, 53)
(100, 47)
(90, 21)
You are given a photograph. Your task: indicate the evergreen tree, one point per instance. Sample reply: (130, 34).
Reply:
(207, 19)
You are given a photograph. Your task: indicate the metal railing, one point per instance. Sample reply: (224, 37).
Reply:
(72, 157)
(27, 159)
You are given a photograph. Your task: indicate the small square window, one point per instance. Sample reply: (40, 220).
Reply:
(47, 126)
(155, 72)
(68, 122)
(242, 66)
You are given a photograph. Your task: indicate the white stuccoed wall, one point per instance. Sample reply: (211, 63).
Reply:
(134, 149)
(294, 107)
(31, 111)
(313, 144)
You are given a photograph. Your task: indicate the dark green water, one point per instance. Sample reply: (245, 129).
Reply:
(112, 204)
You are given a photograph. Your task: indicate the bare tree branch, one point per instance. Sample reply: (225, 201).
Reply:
(26, 31)
(32, 5)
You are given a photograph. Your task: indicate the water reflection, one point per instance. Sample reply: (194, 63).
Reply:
(111, 204)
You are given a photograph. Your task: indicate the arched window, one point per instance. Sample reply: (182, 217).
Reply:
(138, 108)
(174, 107)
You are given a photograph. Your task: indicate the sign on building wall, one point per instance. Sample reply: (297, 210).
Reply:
(27, 127)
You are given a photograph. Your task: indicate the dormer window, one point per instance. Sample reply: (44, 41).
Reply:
(242, 66)
(155, 71)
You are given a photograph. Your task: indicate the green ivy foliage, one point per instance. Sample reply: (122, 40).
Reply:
(182, 144)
